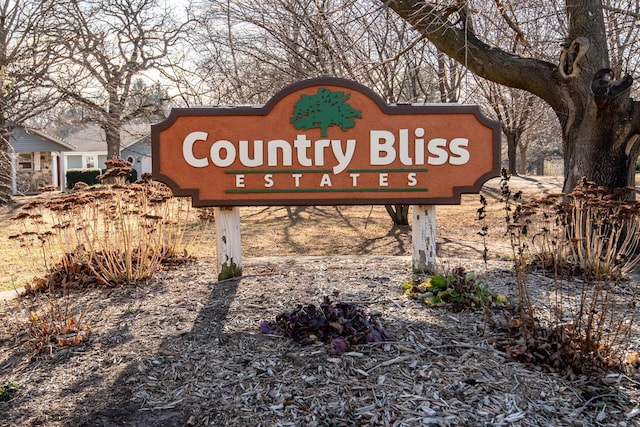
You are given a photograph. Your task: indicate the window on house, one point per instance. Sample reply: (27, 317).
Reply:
(25, 161)
(101, 160)
(74, 162)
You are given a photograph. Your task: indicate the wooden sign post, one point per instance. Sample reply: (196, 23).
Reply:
(228, 247)
(423, 237)
(326, 142)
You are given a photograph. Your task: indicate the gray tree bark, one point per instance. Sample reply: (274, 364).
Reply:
(599, 142)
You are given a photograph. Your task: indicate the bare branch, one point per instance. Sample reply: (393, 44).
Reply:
(520, 37)
(108, 46)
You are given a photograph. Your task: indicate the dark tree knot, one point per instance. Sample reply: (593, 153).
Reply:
(605, 88)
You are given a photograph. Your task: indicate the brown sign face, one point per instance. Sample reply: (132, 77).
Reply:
(326, 142)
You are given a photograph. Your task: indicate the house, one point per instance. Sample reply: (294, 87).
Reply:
(39, 160)
(91, 147)
(139, 155)
(36, 161)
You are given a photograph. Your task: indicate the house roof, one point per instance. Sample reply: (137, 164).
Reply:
(92, 137)
(141, 146)
(26, 140)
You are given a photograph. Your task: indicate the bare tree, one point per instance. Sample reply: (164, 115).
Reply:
(517, 111)
(26, 56)
(600, 122)
(540, 147)
(255, 46)
(108, 46)
(249, 48)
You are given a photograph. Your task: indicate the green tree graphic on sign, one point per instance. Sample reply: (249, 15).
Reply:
(324, 109)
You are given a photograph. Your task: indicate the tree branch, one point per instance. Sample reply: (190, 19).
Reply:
(520, 37)
(533, 75)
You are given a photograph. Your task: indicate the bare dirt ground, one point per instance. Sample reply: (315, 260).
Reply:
(185, 349)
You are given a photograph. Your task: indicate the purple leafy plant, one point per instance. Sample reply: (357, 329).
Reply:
(339, 325)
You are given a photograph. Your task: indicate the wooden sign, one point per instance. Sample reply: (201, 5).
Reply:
(326, 142)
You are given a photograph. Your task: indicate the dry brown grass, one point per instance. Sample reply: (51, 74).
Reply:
(314, 230)
(16, 268)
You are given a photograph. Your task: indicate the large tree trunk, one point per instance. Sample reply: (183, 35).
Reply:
(113, 144)
(599, 139)
(113, 139)
(602, 147)
(523, 159)
(399, 214)
(5, 164)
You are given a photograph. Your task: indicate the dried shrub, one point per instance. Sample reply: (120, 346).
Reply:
(339, 325)
(559, 346)
(587, 241)
(106, 236)
(47, 188)
(110, 235)
(118, 170)
(79, 270)
(590, 232)
(56, 327)
(80, 186)
(206, 214)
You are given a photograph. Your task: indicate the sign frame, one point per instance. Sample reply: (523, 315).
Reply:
(277, 200)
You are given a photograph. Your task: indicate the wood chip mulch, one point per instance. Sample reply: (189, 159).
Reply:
(187, 350)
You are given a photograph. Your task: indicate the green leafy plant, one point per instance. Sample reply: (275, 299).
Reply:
(324, 109)
(459, 290)
(87, 176)
(8, 390)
